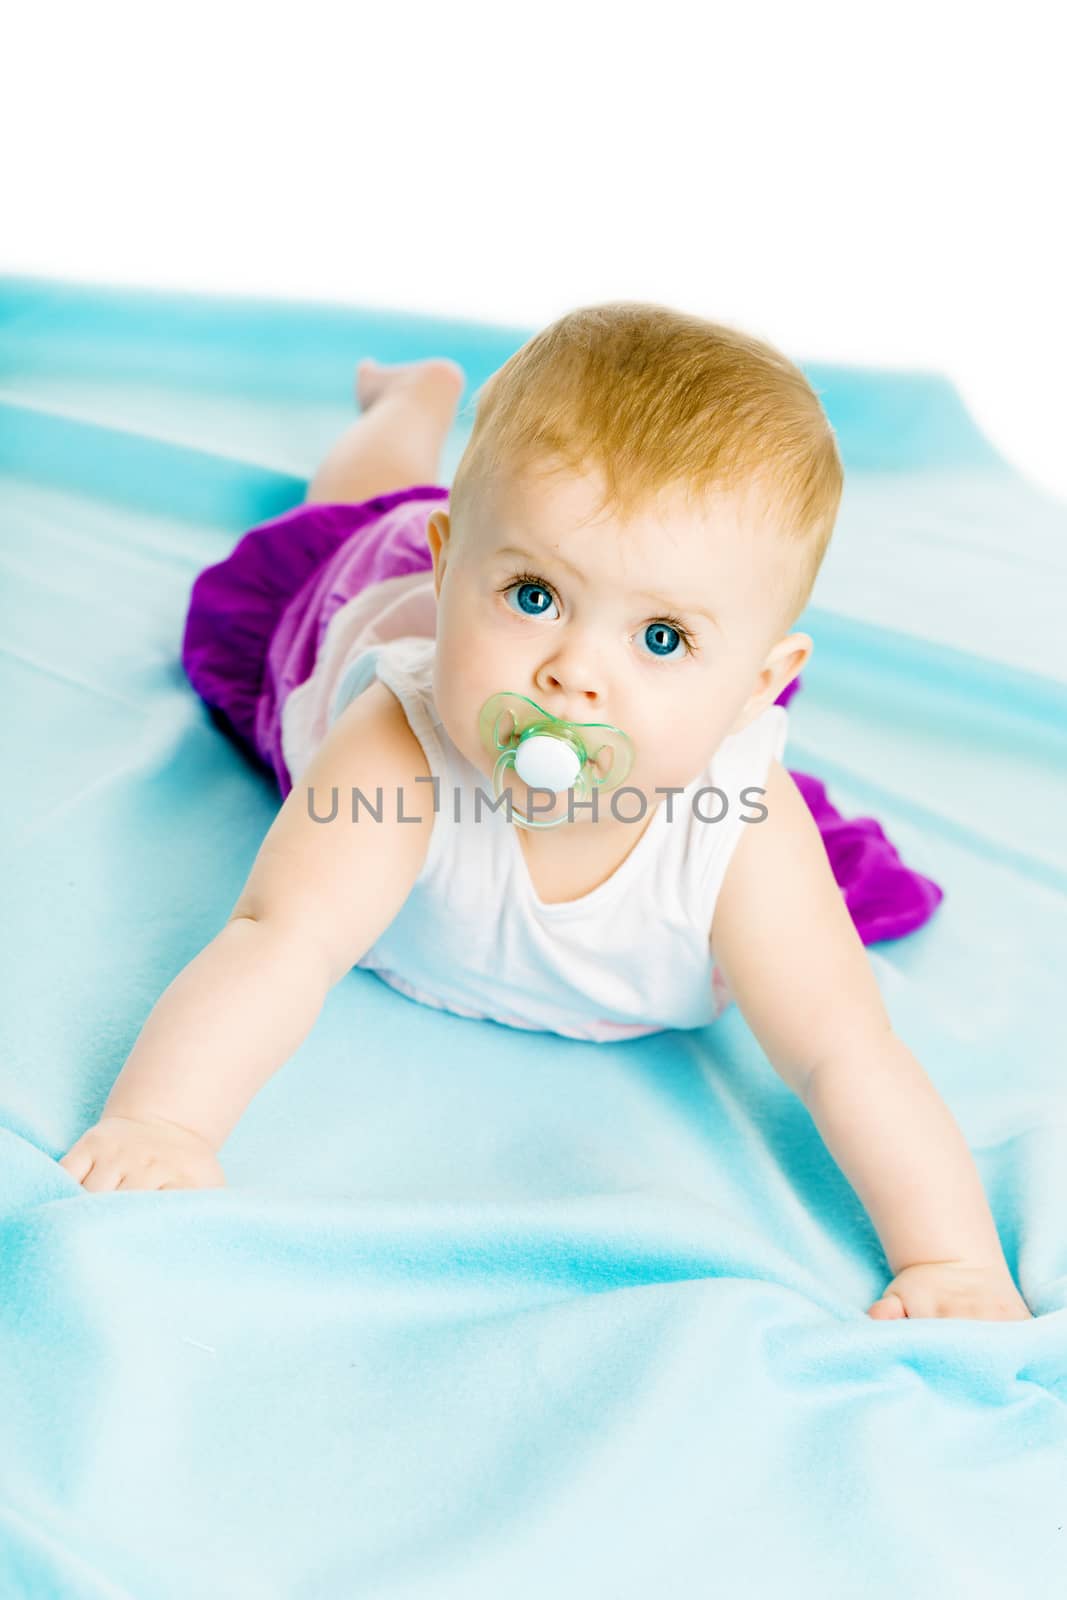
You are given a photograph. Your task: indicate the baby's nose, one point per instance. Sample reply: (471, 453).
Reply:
(572, 694)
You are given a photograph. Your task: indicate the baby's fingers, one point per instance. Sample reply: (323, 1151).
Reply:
(126, 1157)
(88, 1166)
(155, 1175)
(102, 1176)
(78, 1160)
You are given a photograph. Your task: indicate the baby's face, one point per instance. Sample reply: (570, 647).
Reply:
(664, 627)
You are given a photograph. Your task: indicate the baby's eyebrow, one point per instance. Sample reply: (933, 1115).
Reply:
(645, 594)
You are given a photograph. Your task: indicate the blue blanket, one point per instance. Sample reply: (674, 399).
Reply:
(485, 1313)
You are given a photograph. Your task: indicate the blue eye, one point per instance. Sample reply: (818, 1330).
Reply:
(532, 596)
(663, 640)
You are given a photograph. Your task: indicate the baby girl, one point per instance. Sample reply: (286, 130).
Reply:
(528, 733)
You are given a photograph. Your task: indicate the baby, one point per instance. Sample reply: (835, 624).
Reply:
(528, 732)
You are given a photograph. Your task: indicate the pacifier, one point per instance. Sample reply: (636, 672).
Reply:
(550, 752)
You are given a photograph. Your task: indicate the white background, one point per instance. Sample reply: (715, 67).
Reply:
(871, 185)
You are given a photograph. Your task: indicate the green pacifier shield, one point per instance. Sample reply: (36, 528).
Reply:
(549, 752)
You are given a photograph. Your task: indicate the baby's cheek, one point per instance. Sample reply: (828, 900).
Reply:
(665, 755)
(459, 697)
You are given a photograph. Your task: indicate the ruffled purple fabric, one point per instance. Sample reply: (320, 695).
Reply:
(885, 898)
(256, 619)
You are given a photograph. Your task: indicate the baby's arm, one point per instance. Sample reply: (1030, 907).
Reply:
(318, 896)
(783, 936)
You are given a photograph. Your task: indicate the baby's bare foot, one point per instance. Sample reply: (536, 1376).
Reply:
(437, 375)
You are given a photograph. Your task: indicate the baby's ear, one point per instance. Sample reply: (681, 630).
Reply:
(438, 531)
(782, 665)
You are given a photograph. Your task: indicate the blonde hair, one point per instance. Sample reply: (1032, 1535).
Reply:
(658, 400)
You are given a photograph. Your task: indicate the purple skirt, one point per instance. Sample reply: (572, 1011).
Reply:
(256, 621)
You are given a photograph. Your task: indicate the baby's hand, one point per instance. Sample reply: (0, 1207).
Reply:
(148, 1153)
(952, 1289)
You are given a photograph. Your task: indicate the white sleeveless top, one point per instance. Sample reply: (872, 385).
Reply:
(631, 957)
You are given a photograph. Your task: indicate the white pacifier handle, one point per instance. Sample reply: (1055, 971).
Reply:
(545, 762)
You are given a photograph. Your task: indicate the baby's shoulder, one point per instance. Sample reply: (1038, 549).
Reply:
(760, 864)
(337, 883)
(384, 719)
(779, 887)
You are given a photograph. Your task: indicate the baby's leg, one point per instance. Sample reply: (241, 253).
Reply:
(407, 413)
